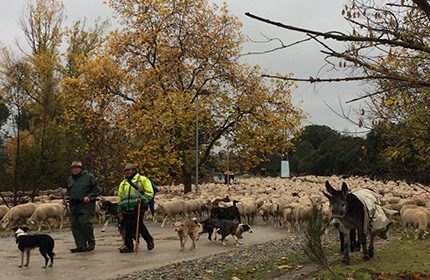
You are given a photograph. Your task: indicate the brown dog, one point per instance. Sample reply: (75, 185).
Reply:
(188, 229)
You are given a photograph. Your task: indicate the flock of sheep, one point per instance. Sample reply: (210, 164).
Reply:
(272, 201)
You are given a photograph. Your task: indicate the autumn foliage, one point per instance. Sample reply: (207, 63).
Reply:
(134, 94)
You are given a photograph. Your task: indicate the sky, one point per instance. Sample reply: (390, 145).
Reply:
(302, 60)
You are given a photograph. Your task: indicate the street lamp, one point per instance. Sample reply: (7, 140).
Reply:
(203, 91)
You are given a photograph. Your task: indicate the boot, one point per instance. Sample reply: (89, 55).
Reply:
(91, 246)
(78, 250)
(126, 250)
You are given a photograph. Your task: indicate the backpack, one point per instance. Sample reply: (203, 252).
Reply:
(154, 186)
(151, 203)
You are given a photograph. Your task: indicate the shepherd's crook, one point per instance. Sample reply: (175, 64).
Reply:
(136, 245)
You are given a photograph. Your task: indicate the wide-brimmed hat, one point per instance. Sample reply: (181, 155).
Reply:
(129, 166)
(76, 163)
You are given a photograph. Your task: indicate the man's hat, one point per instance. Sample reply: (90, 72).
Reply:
(129, 166)
(76, 163)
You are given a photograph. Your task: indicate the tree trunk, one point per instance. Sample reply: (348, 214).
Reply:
(187, 178)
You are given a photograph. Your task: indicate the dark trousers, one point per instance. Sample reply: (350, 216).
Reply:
(82, 229)
(129, 224)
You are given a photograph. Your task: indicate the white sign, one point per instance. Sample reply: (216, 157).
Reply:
(285, 169)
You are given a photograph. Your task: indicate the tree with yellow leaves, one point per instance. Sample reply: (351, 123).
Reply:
(171, 52)
(29, 88)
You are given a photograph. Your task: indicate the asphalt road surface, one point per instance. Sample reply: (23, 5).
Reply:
(106, 262)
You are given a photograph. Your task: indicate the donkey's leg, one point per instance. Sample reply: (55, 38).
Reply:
(342, 242)
(362, 239)
(346, 240)
(371, 247)
(355, 244)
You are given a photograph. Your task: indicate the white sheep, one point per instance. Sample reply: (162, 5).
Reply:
(263, 210)
(276, 211)
(248, 209)
(418, 219)
(170, 209)
(3, 211)
(302, 213)
(289, 216)
(195, 206)
(47, 211)
(17, 214)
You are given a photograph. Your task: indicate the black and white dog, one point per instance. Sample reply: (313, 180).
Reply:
(234, 229)
(210, 226)
(28, 242)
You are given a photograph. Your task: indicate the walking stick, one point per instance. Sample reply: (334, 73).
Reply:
(136, 245)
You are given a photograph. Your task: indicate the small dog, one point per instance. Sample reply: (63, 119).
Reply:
(188, 229)
(234, 229)
(27, 242)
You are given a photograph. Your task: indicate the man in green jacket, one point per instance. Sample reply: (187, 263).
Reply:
(82, 190)
(135, 189)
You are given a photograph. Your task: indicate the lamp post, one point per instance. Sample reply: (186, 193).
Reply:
(203, 91)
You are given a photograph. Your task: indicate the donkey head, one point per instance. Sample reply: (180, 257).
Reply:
(337, 199)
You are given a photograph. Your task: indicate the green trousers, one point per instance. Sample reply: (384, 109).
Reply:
(82, 228)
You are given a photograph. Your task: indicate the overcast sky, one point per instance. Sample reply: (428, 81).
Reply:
(302, 60)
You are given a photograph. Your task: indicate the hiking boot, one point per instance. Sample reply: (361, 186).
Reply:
(78, 250)
(150, 245)
(91, 245)
(126, 250)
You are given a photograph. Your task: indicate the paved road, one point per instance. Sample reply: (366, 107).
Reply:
(106, 262)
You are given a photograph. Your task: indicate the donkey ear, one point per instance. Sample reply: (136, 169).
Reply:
(329, 188)
(344, 189)
(327, 195)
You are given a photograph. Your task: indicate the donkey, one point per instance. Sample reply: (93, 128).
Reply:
(350, 212)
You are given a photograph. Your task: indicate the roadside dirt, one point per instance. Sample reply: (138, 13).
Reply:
(106, 262)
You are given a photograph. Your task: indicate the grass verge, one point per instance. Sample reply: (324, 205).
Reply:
(398, 259)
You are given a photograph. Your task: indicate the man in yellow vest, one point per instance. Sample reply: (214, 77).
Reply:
(134, 189)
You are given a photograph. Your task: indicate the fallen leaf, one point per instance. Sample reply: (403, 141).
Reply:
(285, 266)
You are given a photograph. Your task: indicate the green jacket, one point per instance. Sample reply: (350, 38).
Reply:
(81, 185)
(127, 195)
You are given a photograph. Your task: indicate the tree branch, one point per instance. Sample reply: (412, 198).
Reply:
(277, 48)
(348, 79)
(338, 36)
(424, 6)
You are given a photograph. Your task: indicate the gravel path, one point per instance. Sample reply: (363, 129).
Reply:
(202, 268)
